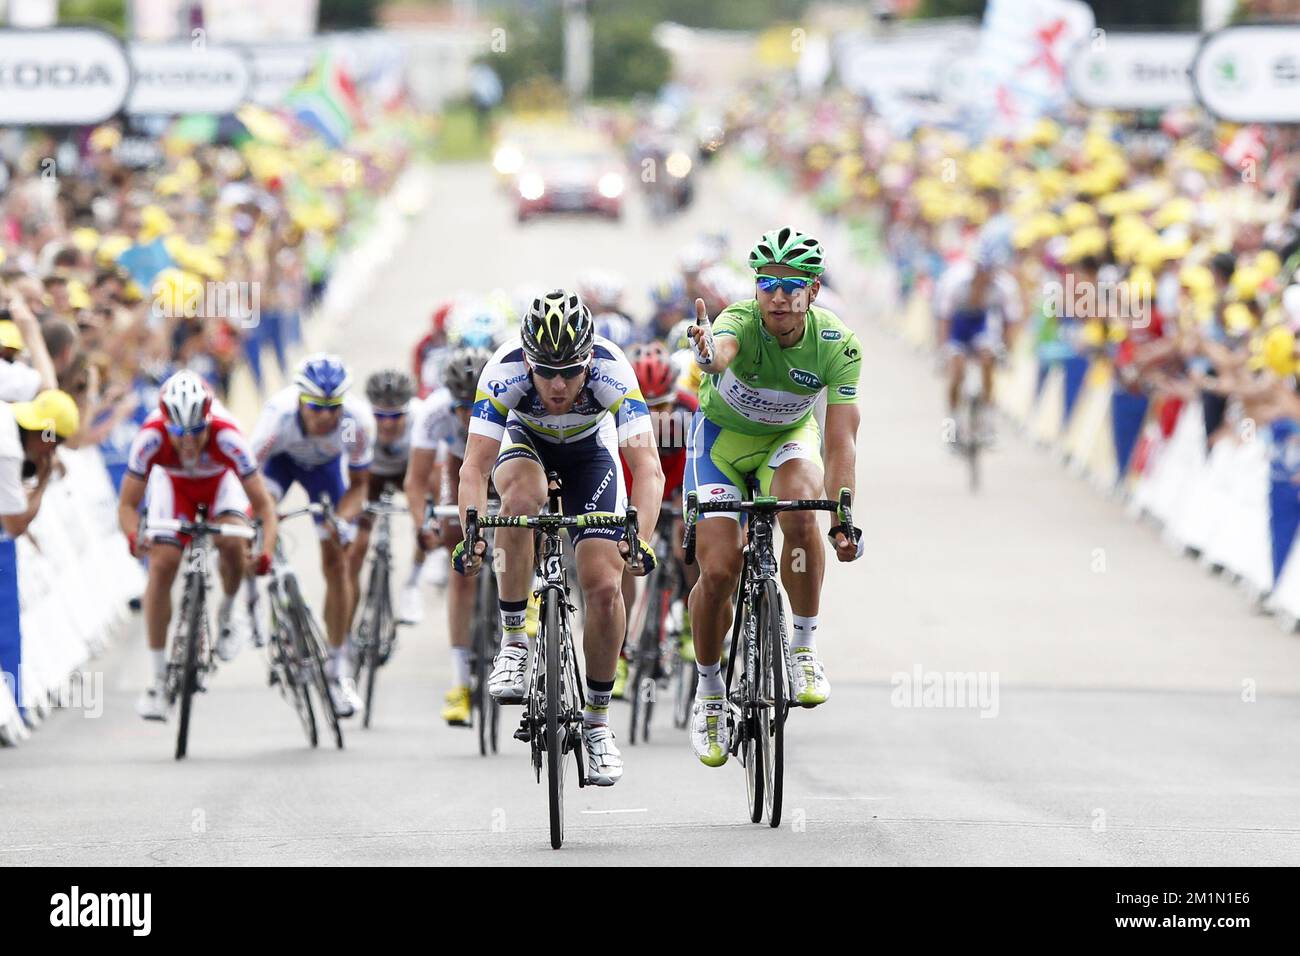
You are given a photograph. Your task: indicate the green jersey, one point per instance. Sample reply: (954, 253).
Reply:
(767, 388)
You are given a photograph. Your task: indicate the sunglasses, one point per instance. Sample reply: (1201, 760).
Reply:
(180, 431)
(787, 284)
(565, 372)
(388, 415)
(327, 406)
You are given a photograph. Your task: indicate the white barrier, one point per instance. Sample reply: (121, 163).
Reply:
(75, 576)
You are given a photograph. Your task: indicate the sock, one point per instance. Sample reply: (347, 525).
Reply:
(413, 578)
(599, 693)
(159, 661)
(512, 623)
(710, 680)
(460, 665)
(804, 633)
(342, 662)
(223, 609)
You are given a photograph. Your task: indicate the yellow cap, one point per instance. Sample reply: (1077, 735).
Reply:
(1237, 318)
(52, 408)
(78, 297)
(1277, 351)
(10, 337)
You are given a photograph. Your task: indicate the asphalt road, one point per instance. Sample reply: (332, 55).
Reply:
(1134, 711)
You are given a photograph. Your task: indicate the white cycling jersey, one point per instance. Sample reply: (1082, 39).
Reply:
(279, 432)
(438, 427)
(506, 395)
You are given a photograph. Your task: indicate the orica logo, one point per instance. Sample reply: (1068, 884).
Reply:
(606, 379)
(805, 379)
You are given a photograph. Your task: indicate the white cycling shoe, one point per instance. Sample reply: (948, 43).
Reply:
(437, 565)
(604, 762)
(506, 683)
(152, 703)
(233, 631)
(410, 605)
(709, 731)
(344, 696)
(809, 684)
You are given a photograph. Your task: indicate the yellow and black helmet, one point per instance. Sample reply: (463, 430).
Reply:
(557, 329)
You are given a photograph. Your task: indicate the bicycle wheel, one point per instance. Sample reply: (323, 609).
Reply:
(556, 728)
(193, 631)
(752, 749)
(645, 670)
(772, 673)
(286, 670)
(973, 443)
(313, 657)
(381, 621)
(487, 639)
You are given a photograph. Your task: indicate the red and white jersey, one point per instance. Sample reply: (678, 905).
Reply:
(227, 448)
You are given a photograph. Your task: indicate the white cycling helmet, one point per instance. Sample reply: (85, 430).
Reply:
(601, 291)
(186, 401)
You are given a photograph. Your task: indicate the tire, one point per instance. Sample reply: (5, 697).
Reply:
(290, 669)
(486, 639)
(646, 671)
(195, 586)
(382, 620)
(772, 723)
(309, 647)
(751, 748)
(554, 728)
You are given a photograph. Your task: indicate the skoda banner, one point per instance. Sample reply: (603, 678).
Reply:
(180, 78)
(1133, 71)
(64, 76)
(1250, 73)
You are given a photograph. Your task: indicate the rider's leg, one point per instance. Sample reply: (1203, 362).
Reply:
(600, 575)
(521, 486)
(338, 591)
(803, 558)
(987, 364)
(718, 546)
(164, 560)
(354, 558)
(956, 371)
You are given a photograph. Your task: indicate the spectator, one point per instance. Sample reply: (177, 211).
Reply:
(29, 434)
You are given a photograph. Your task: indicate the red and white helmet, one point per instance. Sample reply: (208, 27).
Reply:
(186, 401)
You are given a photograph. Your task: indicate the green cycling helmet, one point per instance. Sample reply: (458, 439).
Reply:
(788, 247)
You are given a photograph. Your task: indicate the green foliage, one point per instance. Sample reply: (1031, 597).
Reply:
(347, 14)
(110, 14)
(626, 60)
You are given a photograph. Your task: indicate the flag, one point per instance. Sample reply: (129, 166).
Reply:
(327, 102)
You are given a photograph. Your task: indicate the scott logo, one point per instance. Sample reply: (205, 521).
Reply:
(805, 379)
(830, 335)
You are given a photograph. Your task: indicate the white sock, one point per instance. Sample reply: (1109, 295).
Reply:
(342, 662)
(513, 614)
(413, 578)
(460, 665)
(804, 633)
(710, 680)
(159, 661)
(224, 608)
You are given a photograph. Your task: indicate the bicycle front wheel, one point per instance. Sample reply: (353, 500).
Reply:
(645, 670)
(556, 725)
(310, 652)
(382, 619)
(772, 673)
(752, 749)
(193, 637)
(487, 638)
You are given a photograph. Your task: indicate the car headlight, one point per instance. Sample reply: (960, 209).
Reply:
(531, 186)
(678, 165)
(508, 160)
(610, 185)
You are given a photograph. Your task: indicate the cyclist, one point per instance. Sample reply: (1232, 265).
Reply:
(437, 449)
(189, 452)
(389, 394)
(975, 301)
(563, 400)
(303, 436)
(766, 360)
(671, 408)
(668, 298)
(429, 351)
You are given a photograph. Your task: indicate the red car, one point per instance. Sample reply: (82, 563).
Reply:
(572, 182)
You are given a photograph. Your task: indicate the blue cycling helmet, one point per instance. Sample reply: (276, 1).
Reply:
(668, 294)
(323, 376)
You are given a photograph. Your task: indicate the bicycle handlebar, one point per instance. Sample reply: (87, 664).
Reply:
(765, 505)
(193, 528)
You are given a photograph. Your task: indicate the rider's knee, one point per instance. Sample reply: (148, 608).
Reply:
(602, 594)
(520, 499)
(799, 526)
(163, 562)
(331, 560)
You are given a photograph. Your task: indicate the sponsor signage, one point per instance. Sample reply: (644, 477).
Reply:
(64, 76)
(1133, 71)
(182, 78)
(1250, 73)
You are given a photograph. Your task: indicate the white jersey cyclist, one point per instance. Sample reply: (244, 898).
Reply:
(610, 401)
(279, 432)
(437, 427)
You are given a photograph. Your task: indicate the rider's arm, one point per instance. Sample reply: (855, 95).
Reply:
(841, 447)
(480, 455)
(354, 499)
(128, 504)
(642, 456)
(263, 508)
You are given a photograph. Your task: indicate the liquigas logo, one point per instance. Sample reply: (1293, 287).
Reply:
(805, 379)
